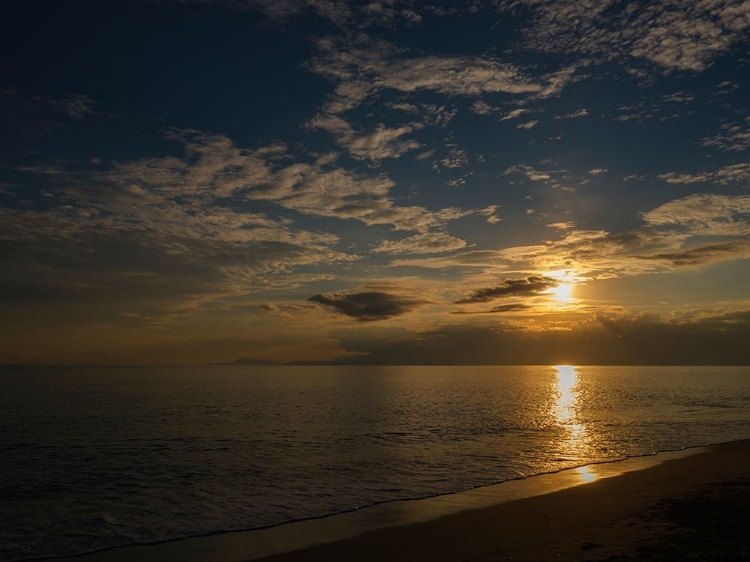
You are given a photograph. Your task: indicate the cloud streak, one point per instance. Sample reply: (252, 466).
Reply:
(703, 255)
(531, 285)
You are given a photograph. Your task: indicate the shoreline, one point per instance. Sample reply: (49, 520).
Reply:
(351, 534)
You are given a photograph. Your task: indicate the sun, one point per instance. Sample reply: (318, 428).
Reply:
(562, 293)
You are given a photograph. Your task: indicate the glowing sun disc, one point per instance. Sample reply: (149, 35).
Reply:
(562, 292)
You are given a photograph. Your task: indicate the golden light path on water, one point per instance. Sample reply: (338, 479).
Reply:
(566, 407)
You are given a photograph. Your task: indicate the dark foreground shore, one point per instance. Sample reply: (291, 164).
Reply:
(691, 508)
(694, 508)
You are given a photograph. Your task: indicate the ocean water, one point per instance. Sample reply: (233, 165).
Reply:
(92, 458)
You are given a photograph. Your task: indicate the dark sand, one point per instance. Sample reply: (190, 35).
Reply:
(692, 508)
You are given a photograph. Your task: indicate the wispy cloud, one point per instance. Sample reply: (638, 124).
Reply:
(704, 215)
(375, 145)
(673, 236)
(214, 167)
(704, 255)
(724, 175)
(531, 285)
(502, 309)
(528, 125)
(574, 115)
(43, 111)
(452, 159)
(155, 261)
(362, 67)
(669, 33)
(556, 179)
(733, 137)
(345, 15)
(514, 114)
(425, 243)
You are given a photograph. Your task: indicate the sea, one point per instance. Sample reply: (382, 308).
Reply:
(92, 457)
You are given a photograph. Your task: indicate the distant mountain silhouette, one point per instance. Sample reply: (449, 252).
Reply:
(251, 361)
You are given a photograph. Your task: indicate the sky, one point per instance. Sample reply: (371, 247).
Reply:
(388, 182)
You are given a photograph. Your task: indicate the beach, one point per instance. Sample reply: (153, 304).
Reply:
(688, 507)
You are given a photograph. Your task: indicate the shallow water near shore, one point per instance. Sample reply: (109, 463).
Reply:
(95, 458)
(242, 546)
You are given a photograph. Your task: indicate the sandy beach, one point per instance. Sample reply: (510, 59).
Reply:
(695, 508)
(692, 507)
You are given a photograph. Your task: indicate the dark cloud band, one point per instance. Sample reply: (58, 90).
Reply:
(370, 306)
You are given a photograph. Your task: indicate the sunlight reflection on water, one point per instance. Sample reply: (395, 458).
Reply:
(576, 439)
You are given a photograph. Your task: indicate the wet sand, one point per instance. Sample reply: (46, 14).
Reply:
(692, 507)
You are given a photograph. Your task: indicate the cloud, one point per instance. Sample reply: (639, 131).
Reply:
(531, 285)
(723, 176)
(569, 225)
(455, 158)
(626, 339)
(496, 309)
(162, 236)
(734, 137)
(424, 243)
(592, 254)
(670, 34)
(673, 235)
(457, 76)
(528, 125)
(42, 112)
(514, 114)
(314, 190)
(155, 263)
(704, 215)
(490, 213)
(597, 171)
(362, 66)
(529, 172)
(381, 143)
(377, 145)
(704, 255)
(345, 15)
(481, 107)
(574, 115)
(370, 306)
(76, 106)
(556, 179)
(213, 167)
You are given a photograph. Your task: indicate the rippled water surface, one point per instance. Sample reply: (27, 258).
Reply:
(92, 458)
